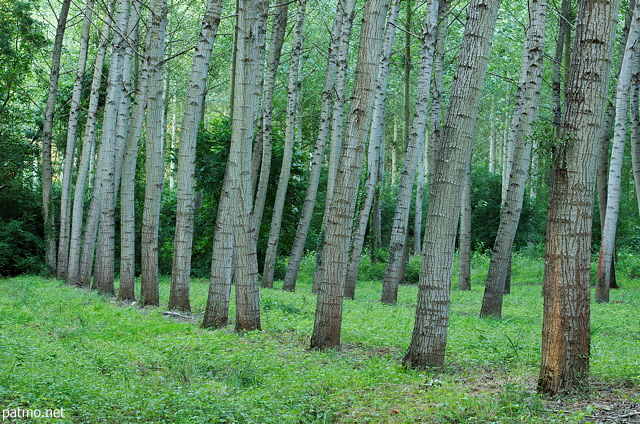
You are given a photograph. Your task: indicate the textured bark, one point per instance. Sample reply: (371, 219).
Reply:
(278, 32)
(420, 182)
(566, 327)
(328, 318)
(62, 265)
(115, 103)
(399, 233)
(438, 83)
(525, 112)
(47, 139)
(154, 53)
(429, 336)
(635, 129)
(344, 10)
(376, 137)
(192, 117)
(464, 279)
(293, 92)
(605, 258)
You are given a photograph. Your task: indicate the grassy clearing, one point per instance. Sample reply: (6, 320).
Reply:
(73, 349)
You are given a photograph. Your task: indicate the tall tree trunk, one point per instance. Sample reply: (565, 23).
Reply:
(251, 17)
(565, 328)
(47, 139)
(328, 318)
(287, 157)
(437, 85)
(76, 274)
(605, 258)
(265, 140)
(72, 129)
(398, 241)
(344, 11)
(635, 128)
(525, 112)
(376, 139)
(192, 117)
(464, 279)
(116, 110)
(420, 181)
(429, 336)
(154, 154)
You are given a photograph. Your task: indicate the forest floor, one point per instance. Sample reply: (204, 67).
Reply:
(105, 361)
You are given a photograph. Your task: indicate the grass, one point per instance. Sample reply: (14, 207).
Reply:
(102, 362)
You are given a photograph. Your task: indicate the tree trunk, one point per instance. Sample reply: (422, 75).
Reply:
(635, 129)
(376, 139)
(393, 272)
(287, 158)
(429, 336)
(566, 329)
(438, 84)
(278, 33)
(605, 258)
(47, 139)
(328, 318)
(420, 181)
(464, 280)
(192, 117)
(525, 112)
(149, 292)
(75, 242)
(62, 266)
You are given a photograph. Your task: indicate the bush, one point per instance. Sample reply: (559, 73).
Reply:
(21, 250)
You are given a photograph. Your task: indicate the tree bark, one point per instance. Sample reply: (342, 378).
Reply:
(566, 329)
(525, 112)
(429, 336)
(635, 129)
(464, 279)
(287, 157)
(605, 258)
(192, 117)
(398, 240)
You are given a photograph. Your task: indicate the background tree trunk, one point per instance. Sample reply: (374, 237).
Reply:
(464, 279)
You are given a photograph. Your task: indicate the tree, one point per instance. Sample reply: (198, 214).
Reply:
(452, 156)
(399, 233)
(154, 52)
(605, 257)
(525, 112)
(565, 328)
(328, 317)
(192, 117)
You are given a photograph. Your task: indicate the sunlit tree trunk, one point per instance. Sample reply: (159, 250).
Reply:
(605, 258)
(525, 112)
(376, 139)
(77, 266)
(566, 327)
(429, 336)
(328, 317)
(287, 156)
(344, 11)
(398, 241)
(464, 279)
(265, 140)
(47, 139)
(437, 85)
(635, 128)
(192, 117)
(154, 53)
(72, 129)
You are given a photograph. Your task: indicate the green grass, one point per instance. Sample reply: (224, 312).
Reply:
(68, 348)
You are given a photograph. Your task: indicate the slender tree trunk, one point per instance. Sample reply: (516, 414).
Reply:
(81, 254)
(376, 139)
(344, 11)
(192, 117)
(154, 154)
(108, 153)
(47, 139)
(420, 181)
(566, 328)
(438, 83)
(605, 258)
(464, 280)
(429, 336)
(394, 270)
(72, 129)
(287, 158)
(635, 128)
(328, 318)
(525, 112)
(278, 32)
